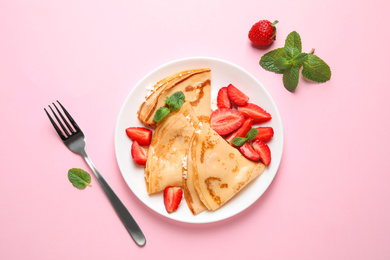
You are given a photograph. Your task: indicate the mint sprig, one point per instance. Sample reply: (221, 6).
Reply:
(289, 60)
(79, 178)
(238, 141)
(174, 102)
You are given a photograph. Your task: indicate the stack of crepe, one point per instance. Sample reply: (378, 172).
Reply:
(185, 151)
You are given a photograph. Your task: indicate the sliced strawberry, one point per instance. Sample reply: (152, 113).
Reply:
(264, 151)
(223, 100)
(138, 154)
(236, 96)
(258, 114)
(142, 135)
(249, 152)
(226, 120)
(172, 198)
(242, 131)
(264, 133)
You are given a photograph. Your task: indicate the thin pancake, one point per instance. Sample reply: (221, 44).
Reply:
(221, 170)
(195, 84)
(191, 196)
(170, 144)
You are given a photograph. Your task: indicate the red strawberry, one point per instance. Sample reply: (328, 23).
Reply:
(172, 198)
(142, 135)
(242, 131)
(138, 154)
(249, 152)
(258, 114)
(223, 100)
(236, 96)
(264, 151)
(264, 133)
(226, 120)
(262, 33)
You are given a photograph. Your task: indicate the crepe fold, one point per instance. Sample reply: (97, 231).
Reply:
(168, 149)
(195, 84)
(217, 170)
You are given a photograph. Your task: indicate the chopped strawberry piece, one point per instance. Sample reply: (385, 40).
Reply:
(223, 100)
(140, 134)
(236, 96)
(226, 120)
(258, 114)
(249, 152)
(264, 151)
(138, 154)
(242, 131)
(264, 133)
(172, 198)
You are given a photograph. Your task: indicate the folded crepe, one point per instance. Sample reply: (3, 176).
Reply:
(218, 171)
(195, 84)
(191, 196)
(168, 149)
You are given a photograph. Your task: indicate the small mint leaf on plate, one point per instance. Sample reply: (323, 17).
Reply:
(267, 61)
(176, 100)
(291, 77)
(316, 69)
(238, 141)
(252, 133)
(79, 178)
(161, 113)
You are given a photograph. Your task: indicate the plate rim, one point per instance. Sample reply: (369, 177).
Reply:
(276, 161)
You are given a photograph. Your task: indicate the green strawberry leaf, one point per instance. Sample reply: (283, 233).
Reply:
(238, 141)
(291, 77)
(252, 134)
(267, 61)
(161, 113)
(293, 45)
(79, 178)
(316, 69)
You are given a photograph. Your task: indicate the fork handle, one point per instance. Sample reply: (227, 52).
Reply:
(125, 216)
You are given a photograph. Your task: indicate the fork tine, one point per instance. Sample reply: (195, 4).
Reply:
(63, 137)
(64, 120)
(59, 121)
(69, 117)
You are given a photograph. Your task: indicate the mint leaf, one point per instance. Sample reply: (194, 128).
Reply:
(238, 141)
(316, 69)
(300, 58)
(176, 100)
(293, 45)
(289, 59)
(161, 113)
(282, 63)
(79, 178)
(291, 77)
(267, 61)
(252, 134)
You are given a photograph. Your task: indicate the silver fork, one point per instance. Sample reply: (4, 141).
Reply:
(74, 139)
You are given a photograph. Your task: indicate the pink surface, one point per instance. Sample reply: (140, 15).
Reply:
(330, 197)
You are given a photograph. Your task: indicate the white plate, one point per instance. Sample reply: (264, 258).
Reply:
(222, 73)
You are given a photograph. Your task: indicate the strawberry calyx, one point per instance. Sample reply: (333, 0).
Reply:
(273, 26)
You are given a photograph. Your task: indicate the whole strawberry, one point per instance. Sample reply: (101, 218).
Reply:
(263, 32)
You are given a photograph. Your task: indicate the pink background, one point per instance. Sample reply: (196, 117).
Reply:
(330, 197)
